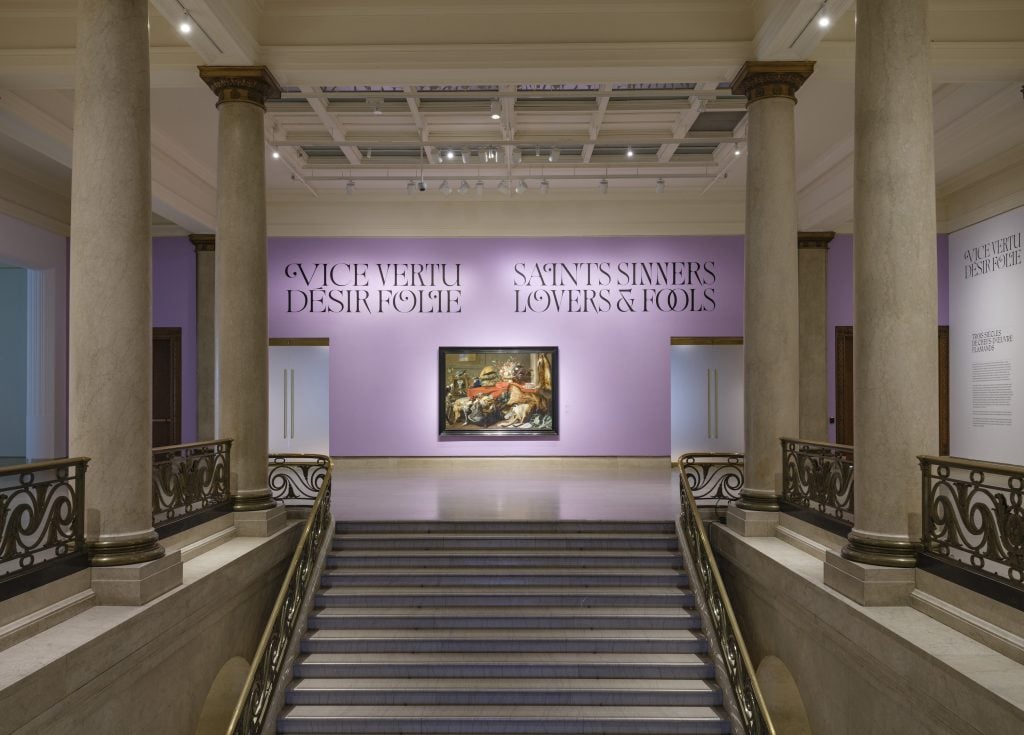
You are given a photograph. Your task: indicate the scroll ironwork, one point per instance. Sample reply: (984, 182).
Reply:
(715, 478)
(256, 702)
(189, 479)
(973, 516)
(707, 582)
(42, 515)
(296, 479)
(819, 476)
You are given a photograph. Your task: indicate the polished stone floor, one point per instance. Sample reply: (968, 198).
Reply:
(505, 489)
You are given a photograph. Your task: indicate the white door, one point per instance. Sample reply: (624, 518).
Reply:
(707, 398)
(299, 405)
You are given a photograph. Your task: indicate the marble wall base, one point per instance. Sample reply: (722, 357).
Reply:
(136, 584)
(261, 523)
(751, 522)
(866, 584)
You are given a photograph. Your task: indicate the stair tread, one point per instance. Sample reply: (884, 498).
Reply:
(524, 589)
(597, 553)
(539, 684)
(504, 633)
(541, 658)
(424, 711)
(539, 611)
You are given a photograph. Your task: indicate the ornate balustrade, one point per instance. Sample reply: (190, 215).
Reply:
(973, 524)
(817, 483)
(715, 478)
(42, 523)
(744, 700)
(190, 482)
(263, 693)
(296, 479)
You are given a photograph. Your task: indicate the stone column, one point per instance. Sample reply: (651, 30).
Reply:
(812, 249)
(241, 284)
(205, 373)
(770, 304)
(110, 350)
(895, 364)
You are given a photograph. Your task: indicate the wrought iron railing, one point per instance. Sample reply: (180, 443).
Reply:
(188, 480)
(706, 581)
(42, 518)
(973, 518)
(296, 479)
(261, 695)
(818, 477)
(715, 478)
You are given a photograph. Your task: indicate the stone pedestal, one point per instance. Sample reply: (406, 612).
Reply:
(110, 319)
(895, 365)
(241, 277)
(812, 254)
(770, 308)
(205, 374)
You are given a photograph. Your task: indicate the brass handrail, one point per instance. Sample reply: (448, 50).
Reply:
(751, 709)
(257, 696)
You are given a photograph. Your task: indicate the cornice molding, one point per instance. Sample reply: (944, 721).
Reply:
(814, 240)
(203, 243)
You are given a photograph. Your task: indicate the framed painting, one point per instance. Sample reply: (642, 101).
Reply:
(497, 391)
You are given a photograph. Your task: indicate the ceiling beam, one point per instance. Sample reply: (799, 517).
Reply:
(791, 30)
(595, 124)
(687, 116)
(334, 128)
(219, 36)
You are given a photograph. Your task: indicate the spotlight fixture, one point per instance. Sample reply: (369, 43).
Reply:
(466, 155)
(659, 186)
(350, 186)
(445, 188)
(521, 187)
(503, 187)
(450, 155)
(185, 27)
(464, 187)
(736, 151)
(544, 186)
(410, 187)
(553, 155)
(479, 188)
(376, 105)
(629, 152)
(602, 186)
(495, 110)
(421, 184)
(824, 21)
(274, 154)
(517, 156)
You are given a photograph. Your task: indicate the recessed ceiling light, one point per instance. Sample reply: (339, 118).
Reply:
(824, 21)
(275, 155)
(629, 152)
(185, 28)
(554, 154)
(450, 155)
(495, 110)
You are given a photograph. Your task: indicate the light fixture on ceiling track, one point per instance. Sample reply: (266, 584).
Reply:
(185, 26)
(410, 187)
(466, 155)
(602, 186)
(450, 155)
(479, 188)
(464, 187)
(629, 151)
(376, 105)
(503, 187)
(554, 154)
(445, 188)
(544, 186)
(521, 187)
(495, 110)
(188, 22)
(275, 154)
(659, 186)
(350, 187)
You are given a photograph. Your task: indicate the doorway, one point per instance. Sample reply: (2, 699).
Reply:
(299, 396)
(706, 394)
(166, 386)
(844, 387)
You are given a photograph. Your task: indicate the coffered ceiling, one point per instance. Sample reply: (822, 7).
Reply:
(619, 107)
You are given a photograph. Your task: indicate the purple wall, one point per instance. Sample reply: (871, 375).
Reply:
(174, 305)
(614, 379)
(840, 300)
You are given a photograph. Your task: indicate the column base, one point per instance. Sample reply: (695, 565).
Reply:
(868, 584)
(751, 522)
(261, 523)
(134, 549)
(881, 552)
(763, 501)
(137, 584)
(256, 501)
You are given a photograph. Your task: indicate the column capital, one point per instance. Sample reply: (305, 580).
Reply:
(203, 243)
(759, 80)
(812, 240)
(252, 84)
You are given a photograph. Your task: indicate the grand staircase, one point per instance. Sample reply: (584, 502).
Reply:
(504, 627)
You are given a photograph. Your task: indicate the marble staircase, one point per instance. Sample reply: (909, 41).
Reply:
(504, 627)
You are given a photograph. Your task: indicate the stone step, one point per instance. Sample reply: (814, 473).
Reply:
(482, 618)
(501, 641)
(525, 720)
(513, 527)
(521, 577)
(500, 665)
(493, 559)
(520, 597)
(521, 692)
(580, 541)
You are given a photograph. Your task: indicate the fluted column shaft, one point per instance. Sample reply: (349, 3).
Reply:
(110, 349)
(205, 344)
(895, 365)
(770, 301)
(812, 254)
(241, 277)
